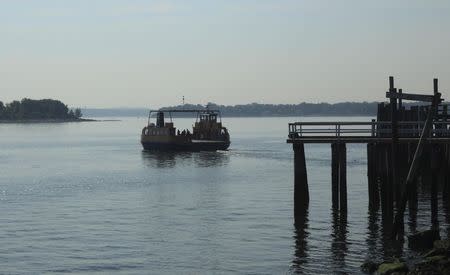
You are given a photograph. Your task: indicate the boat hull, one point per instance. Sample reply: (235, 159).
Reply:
(188, 146)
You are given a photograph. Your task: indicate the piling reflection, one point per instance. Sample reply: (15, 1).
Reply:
(170, 159)
(339, 245)
(446, 208)
(300, 238)
(412, 212)
(373, 231)
(389, 247)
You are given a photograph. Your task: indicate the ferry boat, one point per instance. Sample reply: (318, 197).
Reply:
(208, 134)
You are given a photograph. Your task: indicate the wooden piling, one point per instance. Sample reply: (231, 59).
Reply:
(335, 175)
(435, 153)
(446, 176)
(372, 177)
(434, 185)
(388, 186)
(342, 177)
(383, 176)
(301, 192)
(394, 147)
(412, 199)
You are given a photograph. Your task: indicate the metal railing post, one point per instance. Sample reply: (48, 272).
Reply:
(373, 127)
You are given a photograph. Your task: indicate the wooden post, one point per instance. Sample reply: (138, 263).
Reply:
(301, 192)
(388, 186)
(383, 176)
(445, 117)
(335, 175)
(342, 177)
(412, 200)
(434, 170)
(372, 176)
(434, 185)
(447, 176)
(446, 179)
(394, 134)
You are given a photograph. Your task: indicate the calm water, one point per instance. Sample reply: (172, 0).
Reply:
(84, 198)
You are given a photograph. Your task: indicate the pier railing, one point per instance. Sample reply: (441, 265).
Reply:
(373, 129)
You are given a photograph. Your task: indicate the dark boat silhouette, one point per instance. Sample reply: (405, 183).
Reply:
(208, 134)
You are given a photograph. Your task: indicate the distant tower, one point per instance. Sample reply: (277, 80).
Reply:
(183, 100)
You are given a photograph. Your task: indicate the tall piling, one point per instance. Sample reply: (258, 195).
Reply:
(339, 176)
(335, 175)
(372, 178)
(434, 185)
(343, 177)
(388, 186)
(446, 177)
(394, 149)
(382, 175)
(301, 192)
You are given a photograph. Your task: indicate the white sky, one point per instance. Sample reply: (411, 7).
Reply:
(131, 53)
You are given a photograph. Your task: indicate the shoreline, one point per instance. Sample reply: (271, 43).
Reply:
(433, 258)
(51, 120)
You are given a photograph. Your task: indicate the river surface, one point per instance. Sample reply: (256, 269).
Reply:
(85, 198)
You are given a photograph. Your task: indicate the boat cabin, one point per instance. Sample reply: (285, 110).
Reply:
(208, 125)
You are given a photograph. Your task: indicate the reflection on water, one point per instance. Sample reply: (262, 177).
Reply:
(300, 239)
(446, 208)
(372, 231)
(169, 159)
(211, 159)
(339, 243)
(339, 239)
(379, 245)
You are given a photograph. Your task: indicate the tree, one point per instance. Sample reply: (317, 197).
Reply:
(78, 113)
(36, 109)
(2, 110)
(13, 110)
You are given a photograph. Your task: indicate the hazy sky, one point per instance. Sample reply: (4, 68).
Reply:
(110, 53)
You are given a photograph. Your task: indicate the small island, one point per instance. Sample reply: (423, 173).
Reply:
(42, 110)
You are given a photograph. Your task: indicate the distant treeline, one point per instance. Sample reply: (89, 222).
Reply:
(29, 109)
(302, 109)
(257, 110)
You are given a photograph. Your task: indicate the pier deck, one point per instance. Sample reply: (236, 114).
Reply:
(364, 132)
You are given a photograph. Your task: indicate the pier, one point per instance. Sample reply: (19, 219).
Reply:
(404, 146)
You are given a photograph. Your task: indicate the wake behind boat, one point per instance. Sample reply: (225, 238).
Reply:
(208, 134)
